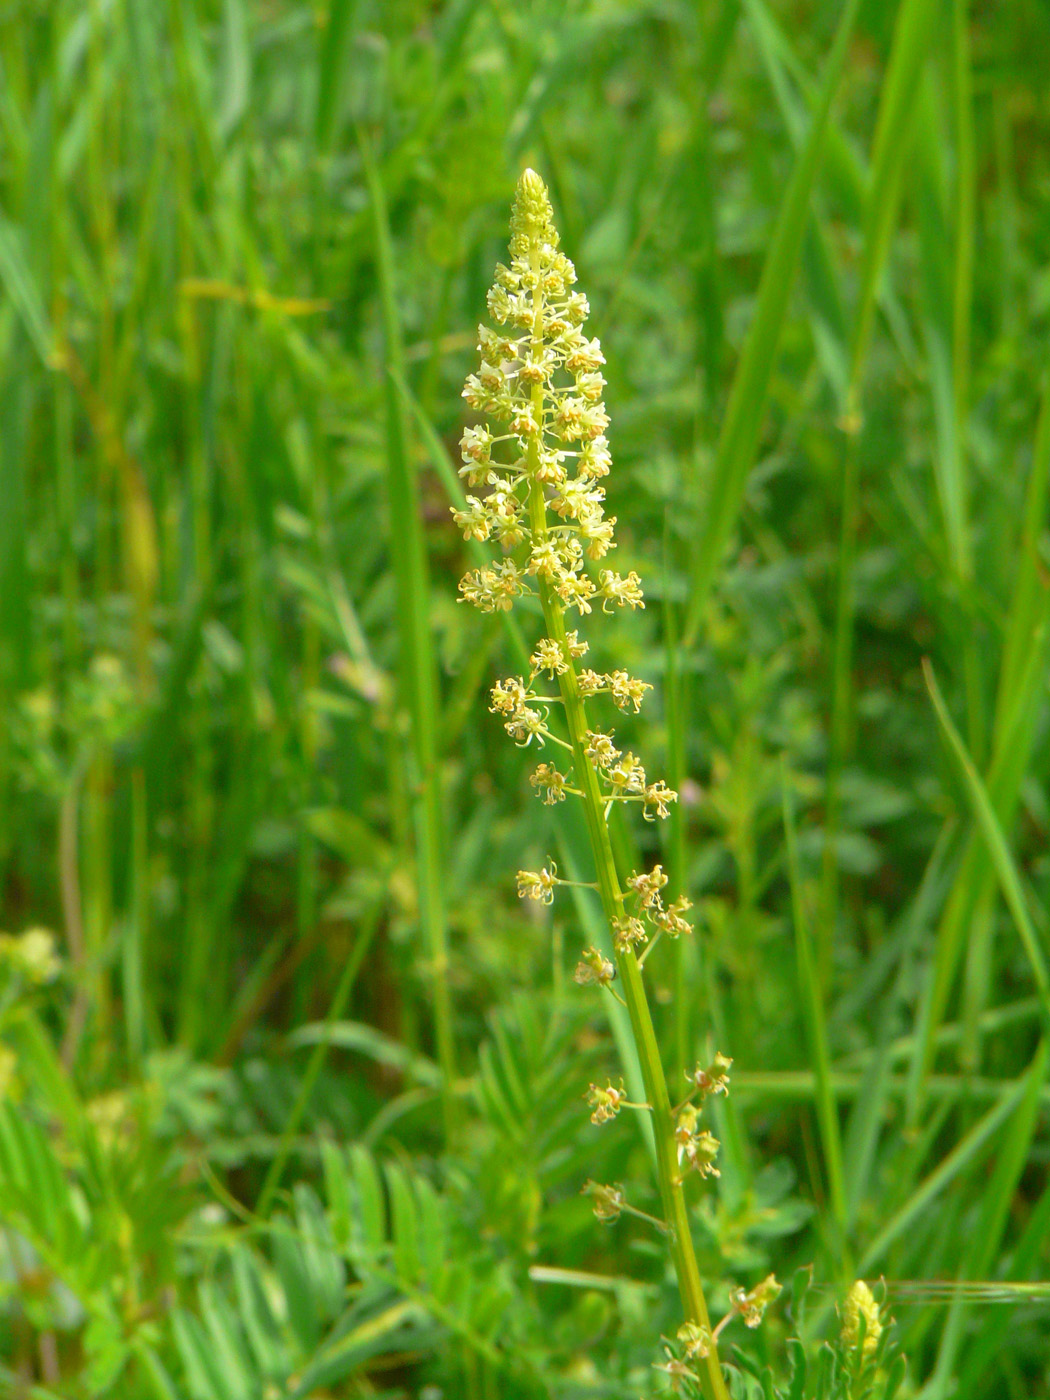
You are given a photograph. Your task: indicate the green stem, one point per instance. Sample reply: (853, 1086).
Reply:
(630, 976)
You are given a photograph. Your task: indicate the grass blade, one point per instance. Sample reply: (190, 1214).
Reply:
(815, 1023)
(738, 441)
(965, 1152)
(998, 849)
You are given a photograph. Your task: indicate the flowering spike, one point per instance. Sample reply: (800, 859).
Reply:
(538, 458)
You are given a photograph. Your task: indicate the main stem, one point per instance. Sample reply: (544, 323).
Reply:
(630, 975)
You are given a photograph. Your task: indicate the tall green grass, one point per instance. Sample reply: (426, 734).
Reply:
(304, 1040)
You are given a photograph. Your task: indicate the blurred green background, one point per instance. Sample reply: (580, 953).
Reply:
(248, 780)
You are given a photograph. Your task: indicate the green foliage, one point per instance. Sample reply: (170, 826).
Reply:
(291, 1086)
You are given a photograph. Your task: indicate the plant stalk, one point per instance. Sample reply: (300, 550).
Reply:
(630, 976)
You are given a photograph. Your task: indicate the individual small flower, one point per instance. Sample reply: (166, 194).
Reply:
(576, 499)
(861, 1303)
(590, 683)
(523, 422)
(536, 367)
(508, 696)
(625, 690)
(548, 657)
(577, 419)
(670, 919)
(526, 725)
(510, 582)
(657, 797)
(492, 590)
(551, 468)
(479, 473)
(694, 1339)
(576, 647)
(494, 349)
(594, 969)
(576, 591)
(714, 1079)
(697, 1151)
(609, 1201)
(600, 749)
(648, 886)
(627, 932)
(589, 386)
(475, 444)
(550, 782)
(577, 308)
(510, 531)
(621, 591)
(479, 588)
(478, 395)
(606, 1102)
(599, 536)
(474, 521)
(627, 775)
(545, 561)
(538, 884)
(751, 1305)
(585, 355)
(677, 1371)
(595, 458)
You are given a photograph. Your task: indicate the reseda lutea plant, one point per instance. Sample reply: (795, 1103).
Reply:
(541, 378)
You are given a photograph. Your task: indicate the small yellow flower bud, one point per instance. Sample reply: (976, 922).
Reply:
(860, 1302)
(531, 215)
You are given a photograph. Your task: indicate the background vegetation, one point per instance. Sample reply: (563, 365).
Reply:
(246, 772)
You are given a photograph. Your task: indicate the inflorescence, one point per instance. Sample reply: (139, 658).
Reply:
(540, 378)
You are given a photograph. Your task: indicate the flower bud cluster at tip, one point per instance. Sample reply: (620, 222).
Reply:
(861, 1304)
